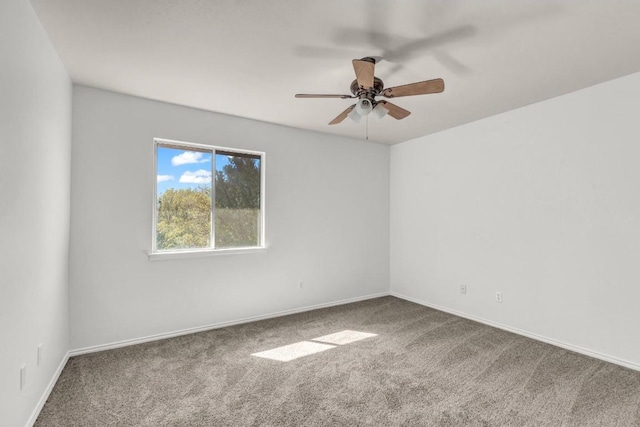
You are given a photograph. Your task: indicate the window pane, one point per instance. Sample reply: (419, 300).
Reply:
(237, 190)
(183, 198)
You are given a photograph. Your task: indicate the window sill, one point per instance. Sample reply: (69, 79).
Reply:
(159, 256)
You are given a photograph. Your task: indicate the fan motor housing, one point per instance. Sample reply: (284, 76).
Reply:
(378, 85)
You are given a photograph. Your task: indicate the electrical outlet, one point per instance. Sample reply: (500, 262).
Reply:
(498, 296)
(300, 285)
(23, 376)
(39, 355)
(463, 289)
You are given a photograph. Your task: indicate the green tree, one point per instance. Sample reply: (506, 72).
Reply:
(184, 219)
(238, 184)
(237, 188)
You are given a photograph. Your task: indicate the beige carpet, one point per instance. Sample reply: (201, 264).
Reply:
(422, 368)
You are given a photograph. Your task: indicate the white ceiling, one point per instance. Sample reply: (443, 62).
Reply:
(249, 57)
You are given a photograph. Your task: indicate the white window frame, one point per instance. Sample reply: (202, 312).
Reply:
(155, 254)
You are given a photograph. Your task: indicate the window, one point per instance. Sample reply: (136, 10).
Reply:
(207, 198)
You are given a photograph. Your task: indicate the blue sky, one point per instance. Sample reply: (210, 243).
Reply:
(178, 168)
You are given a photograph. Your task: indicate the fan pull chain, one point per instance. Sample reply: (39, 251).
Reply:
(366, 132)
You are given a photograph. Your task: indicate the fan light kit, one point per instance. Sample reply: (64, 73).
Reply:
(366, 87)
(363, 106)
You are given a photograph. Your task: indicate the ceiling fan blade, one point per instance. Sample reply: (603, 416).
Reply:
(364, 72)
(342, 115)
(395, 111)
(320, 95)
(419, 88)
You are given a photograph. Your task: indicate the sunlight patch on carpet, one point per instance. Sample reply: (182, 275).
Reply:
(293, 351)
(345, 337)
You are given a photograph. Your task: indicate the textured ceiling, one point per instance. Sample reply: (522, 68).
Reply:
(249, 58)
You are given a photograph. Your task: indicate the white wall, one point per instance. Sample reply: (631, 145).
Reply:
(35, 135)
(540, 203)
(327, 223)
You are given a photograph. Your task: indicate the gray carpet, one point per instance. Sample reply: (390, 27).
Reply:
(424, 368)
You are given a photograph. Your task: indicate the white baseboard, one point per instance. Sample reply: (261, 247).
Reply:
(134, 341)
(93, 349)
(47, 391)
(566, 346)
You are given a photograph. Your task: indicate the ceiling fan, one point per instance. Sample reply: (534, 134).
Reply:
(366, 87)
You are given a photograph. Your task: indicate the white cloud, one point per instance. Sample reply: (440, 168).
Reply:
(188, 157)
(200, 176)
(163, 178)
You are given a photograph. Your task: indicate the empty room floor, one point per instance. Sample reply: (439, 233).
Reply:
(380, 362)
